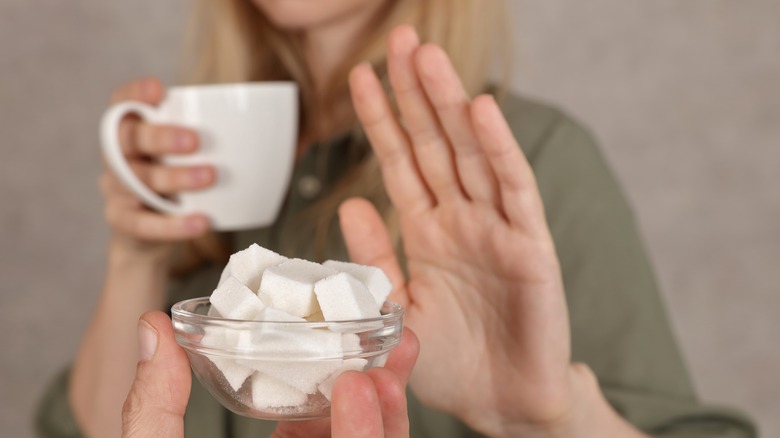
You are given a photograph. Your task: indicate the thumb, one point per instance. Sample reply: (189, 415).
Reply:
(368, 243)
(157, 400)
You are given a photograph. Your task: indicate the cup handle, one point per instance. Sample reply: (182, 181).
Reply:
(109, 136)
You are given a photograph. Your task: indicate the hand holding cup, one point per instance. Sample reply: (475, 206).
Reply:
(143, 144)
(235, 174)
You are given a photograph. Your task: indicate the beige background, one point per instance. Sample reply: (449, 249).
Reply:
(683, 94)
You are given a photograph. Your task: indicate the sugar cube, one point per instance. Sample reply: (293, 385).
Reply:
(342, 297)
(265, 299)
(269, 392)
(326, 387)
(350, 343)
(286, 349)
(291, 285)
(213, 312)
(291, 342)
(234, 373)
(374, 278)
(284, 359)
(303, 376)
(277, 315)
(213, 337)
(233, 300)
(249, 264)
(249, 339)
(316, 317)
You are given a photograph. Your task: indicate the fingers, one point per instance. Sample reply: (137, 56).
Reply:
(370, 404)
(127, 215)
(431, 148)
(368, 243)
(373, 404)
(173, 179)
(391, 394)
(451, 104)
(520, 197)
(143, 143)
(158, 397)
(404, 356)
(436, 152)
(402, 179)
(148, 89)
(454, 148)
(132, 219)
(355, 410)
(139, 138)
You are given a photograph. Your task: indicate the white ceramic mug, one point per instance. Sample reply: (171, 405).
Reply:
(248, 131)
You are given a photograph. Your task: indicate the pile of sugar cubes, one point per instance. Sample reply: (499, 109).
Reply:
(261, 285)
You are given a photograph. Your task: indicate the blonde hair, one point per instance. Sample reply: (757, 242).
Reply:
(232, 41)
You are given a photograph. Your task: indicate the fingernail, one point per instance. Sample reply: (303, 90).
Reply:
(200, 176)
(195, 224)
(147, 89)
(147, 341)
(183, 141)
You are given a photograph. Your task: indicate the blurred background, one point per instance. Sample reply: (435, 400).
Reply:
(684, 97)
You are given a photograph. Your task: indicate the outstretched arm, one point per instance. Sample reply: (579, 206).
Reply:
(484, 292)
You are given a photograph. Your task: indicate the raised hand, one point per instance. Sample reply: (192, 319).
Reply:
(484, 293)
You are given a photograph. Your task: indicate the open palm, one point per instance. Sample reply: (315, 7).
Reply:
(484, 291)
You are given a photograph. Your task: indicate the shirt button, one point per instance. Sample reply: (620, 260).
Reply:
(309, 187)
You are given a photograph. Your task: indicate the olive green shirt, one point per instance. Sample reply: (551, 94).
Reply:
(618, 321)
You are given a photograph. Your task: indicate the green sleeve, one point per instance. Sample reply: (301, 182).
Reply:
(53, 417)
(618, 321)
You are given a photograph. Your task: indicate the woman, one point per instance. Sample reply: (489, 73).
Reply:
(519, 306)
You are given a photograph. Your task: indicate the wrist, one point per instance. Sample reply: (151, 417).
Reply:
(136, 274)
(126, 252)
(592, 415)
(588, 414)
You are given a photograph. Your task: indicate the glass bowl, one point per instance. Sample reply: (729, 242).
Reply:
(280, 370)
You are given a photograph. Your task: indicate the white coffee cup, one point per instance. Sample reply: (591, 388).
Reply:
(248, 131)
